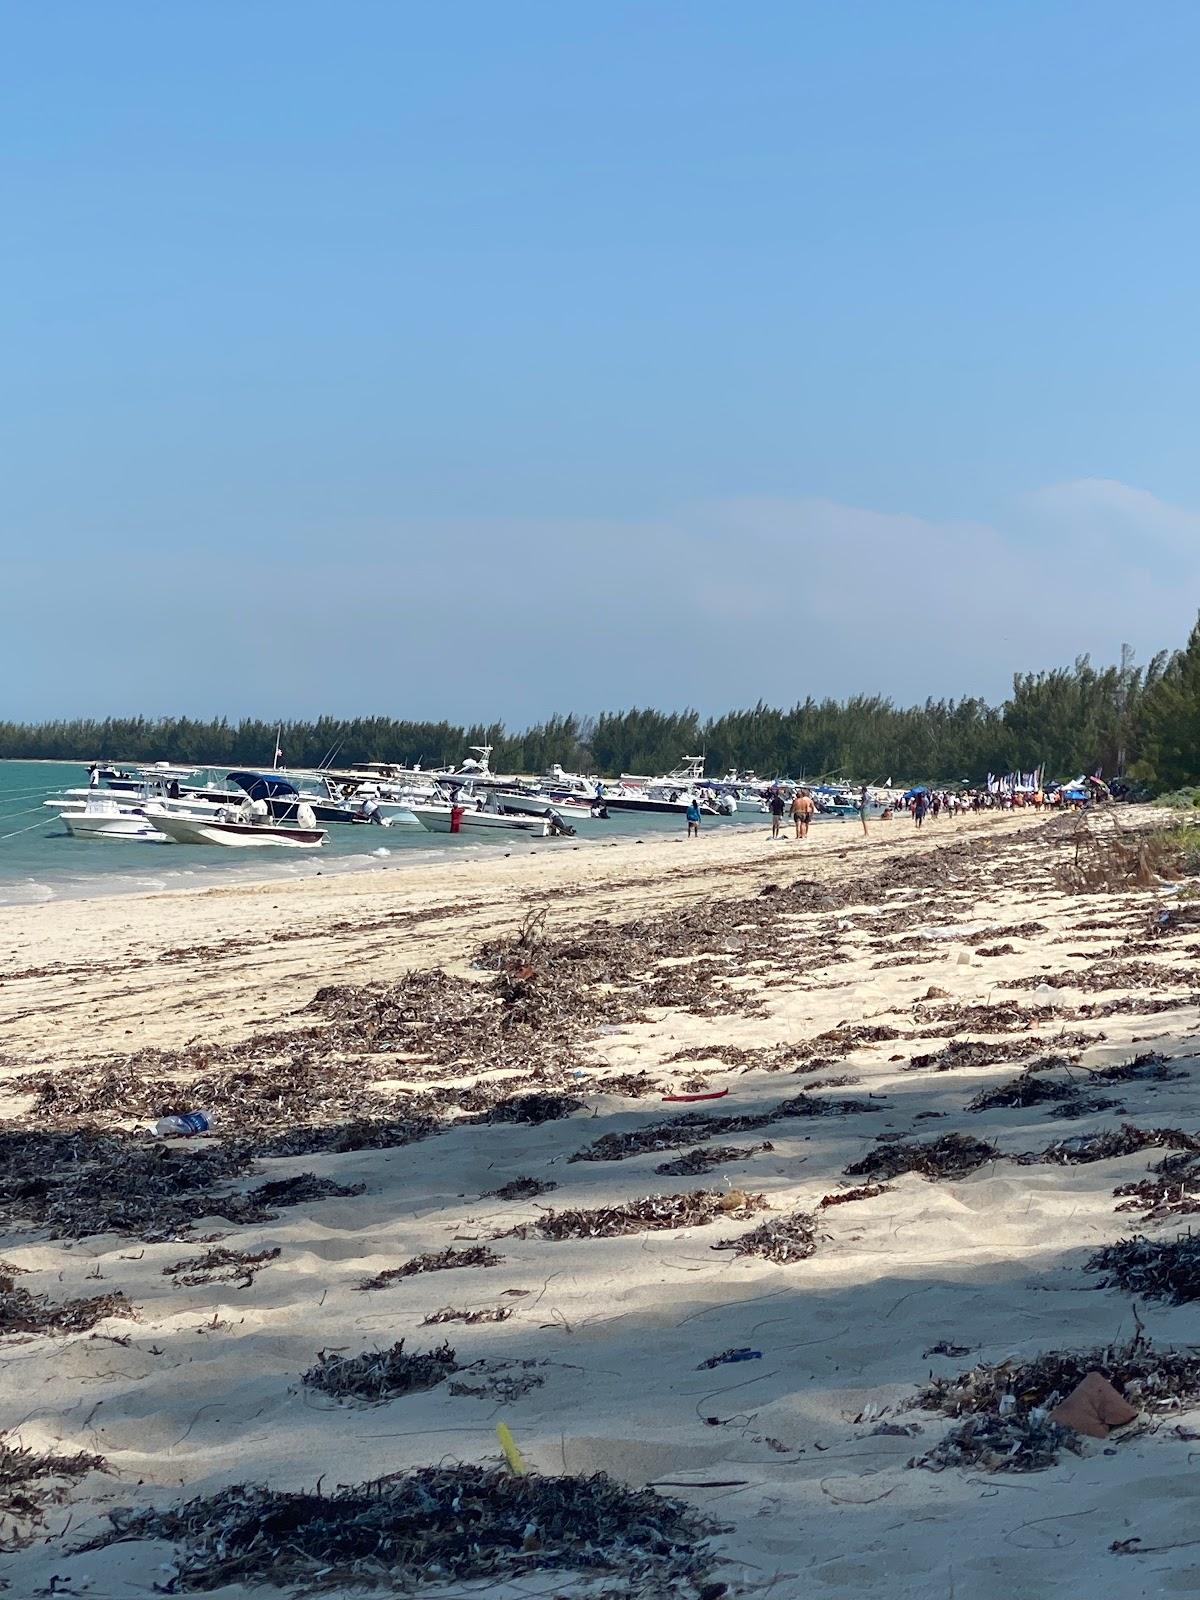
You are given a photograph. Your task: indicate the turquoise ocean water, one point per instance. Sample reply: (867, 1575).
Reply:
(40, 861)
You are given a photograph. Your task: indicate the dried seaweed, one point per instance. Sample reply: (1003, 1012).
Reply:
(706, 1157)
(1027, 1089)
(866, 1191)
(694, 1125)
(1110, 1143)
(1116, 861)
(219, 1265)
(87, 1180)
(781, 1239)
(1153, 1270)
(969, 1053)
(21, 1311)
(477, 1255)
(1020, 1442)
(379, 1375)
(1150, 1379)
(484, 1314)
(533, 1108)
(954, 1155)
(500, 1382)
(654, 1213)
(520, 1189)
(1174, 1192)
(435, 1525)
(31, 1481)
(1087, 1105)
(1146, 1068)
(1109, 974)
(359, 1133)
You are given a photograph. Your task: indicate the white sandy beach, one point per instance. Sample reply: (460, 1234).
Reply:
(200, 1388)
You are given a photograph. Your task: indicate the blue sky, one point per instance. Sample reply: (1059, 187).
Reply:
(485, 360)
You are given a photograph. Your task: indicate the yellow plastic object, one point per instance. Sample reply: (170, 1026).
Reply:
(509, 1445)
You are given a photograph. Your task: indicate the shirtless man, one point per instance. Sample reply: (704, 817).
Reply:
(802, 812)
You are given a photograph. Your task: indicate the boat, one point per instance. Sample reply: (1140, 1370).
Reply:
(101, 817)
(443, 817)
(238, 832)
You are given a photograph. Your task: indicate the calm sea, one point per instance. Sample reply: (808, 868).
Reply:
(40, 861)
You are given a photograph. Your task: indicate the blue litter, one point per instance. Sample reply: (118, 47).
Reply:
(731, 1355)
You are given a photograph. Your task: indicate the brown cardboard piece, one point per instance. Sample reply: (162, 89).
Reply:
(1093, 1407)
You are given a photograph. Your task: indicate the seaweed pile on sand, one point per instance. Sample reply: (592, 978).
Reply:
(435, 1525)
(1151, 1269)
(73, 1184)
(954, 1155)
(30, 1482)
(22, 1311)
(448, 1260)
(695, 1126)
(782, 1240)
(1109, 1143)
(1172, 1191)
(379, 1375)
(1150, 1379)
(654, 1213)
(694, 1163)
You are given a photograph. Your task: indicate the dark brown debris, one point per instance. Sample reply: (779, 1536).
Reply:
(954, 1155)
(654, 1213)
(483, 1314)
(24, 1312)
(706, 1157)
(30, 1482)
(1152, 1269)
(520, 1189)
(413, 1523)
(841, 1197)
(1110, 1143)
(782, 1239)
(378, 1375)
(220, 1265)
(476, 1255)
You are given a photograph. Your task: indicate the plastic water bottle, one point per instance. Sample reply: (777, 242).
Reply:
(184, 1127)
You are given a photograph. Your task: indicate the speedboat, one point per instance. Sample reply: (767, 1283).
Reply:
(101, 817)
(239, 832)
(445, 817)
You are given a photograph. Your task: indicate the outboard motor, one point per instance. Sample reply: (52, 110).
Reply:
(559, 827)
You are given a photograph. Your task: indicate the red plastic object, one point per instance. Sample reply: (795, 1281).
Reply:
(713, 1094)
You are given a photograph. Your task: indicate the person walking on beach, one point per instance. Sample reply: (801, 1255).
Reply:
(920, 806)
(693, 818)
(776, 812)
(864, 806)
(802, 810)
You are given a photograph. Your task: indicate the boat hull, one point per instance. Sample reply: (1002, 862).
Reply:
(81, 826)
(440, 819)
(238, 835)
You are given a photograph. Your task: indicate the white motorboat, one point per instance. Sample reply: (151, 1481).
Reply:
(448, 818)
(535, 803)
(102, 818)
(236, 832)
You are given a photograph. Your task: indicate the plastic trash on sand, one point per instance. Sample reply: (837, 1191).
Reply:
(183, 1127)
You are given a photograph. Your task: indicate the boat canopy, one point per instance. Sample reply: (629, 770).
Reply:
(264, 785)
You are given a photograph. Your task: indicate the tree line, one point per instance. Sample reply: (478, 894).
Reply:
(1121, 720)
